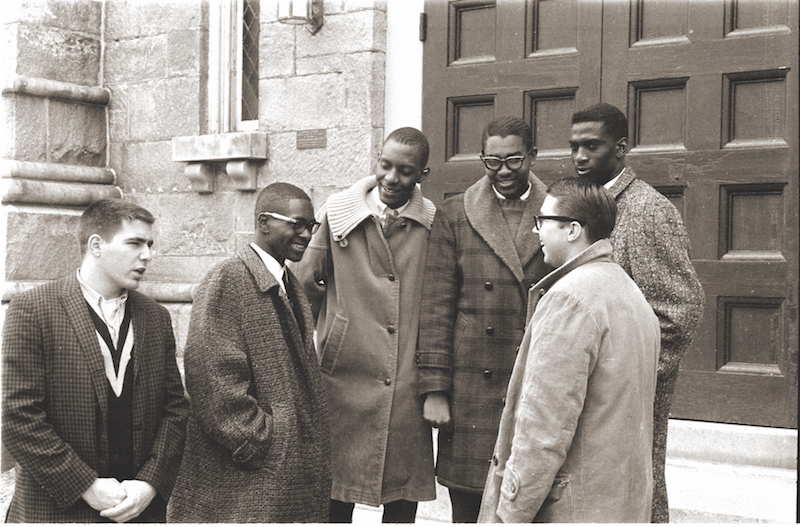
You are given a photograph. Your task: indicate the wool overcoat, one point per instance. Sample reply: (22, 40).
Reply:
(575, 438)
(473, 318)
(55, 402)
(365, 282)
(258, 444)
(652, 246)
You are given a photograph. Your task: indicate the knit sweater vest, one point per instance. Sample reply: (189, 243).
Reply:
(512, 210)
(120, 428)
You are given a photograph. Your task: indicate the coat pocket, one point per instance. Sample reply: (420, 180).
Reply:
(330, 351)
(557, 490)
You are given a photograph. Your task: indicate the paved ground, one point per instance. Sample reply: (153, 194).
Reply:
(760, 486)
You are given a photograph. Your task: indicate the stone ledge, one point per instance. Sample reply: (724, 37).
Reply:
(30, 191)
(57, 172)
(220, 147)
(66, 91)
(158, 291)
(239, 154)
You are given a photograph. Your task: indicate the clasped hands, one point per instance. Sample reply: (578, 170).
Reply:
(119, 501)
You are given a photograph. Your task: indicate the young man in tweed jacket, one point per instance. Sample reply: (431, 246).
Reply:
(650, 242)
(93, 405)
(483, 257)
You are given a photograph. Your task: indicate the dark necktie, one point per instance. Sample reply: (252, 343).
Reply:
(290, 297)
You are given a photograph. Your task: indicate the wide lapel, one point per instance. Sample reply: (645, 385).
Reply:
(484, 215)
(139, 321)
(527, 242)
(265, 281)
(78, 313)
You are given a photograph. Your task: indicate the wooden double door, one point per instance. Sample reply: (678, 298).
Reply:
(711, 93)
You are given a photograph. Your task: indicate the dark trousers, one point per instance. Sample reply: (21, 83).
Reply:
(466, 506)
(400, 511)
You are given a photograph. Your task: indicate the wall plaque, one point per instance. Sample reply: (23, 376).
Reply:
(312, 139)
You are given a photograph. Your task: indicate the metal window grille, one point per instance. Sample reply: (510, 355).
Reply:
(247, 65)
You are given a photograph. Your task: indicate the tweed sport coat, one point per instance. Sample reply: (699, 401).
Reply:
(55, 405)
(258, 442)
(652, 246)
(472, 320)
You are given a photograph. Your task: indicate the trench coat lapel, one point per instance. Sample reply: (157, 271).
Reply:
(485, 216)
(77, 311)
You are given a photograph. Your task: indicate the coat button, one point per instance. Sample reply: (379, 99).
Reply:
(391, 277)
(390, 329)
(487, 374)
(490, 331)
(495, 461)
(488, 286)
(388, 381)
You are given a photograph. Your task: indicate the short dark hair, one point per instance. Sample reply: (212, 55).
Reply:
(276, 197)
(412, 137)
(505, 126)
(588, 202)
(613, 119)
(104, 217)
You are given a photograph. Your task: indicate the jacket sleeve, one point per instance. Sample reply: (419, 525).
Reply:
(439, 308)
(27, 434)
(218, 376)
(657, 257)
(161, 468)
(565, 341)
(312, 271)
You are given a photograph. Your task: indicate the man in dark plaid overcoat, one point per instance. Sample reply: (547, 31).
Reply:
(482, 258)
(93, 405)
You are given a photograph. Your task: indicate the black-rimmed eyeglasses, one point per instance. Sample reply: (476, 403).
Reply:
(537, 220)
(300, 224)
(495, 163)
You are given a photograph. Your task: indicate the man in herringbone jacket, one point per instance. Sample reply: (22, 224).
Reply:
(651, 244)
(258, 440)
(93, 407)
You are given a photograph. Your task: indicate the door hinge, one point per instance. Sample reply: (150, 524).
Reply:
(423, 27)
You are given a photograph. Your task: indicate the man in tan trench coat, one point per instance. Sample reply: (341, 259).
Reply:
(363, 274)
(575, 436)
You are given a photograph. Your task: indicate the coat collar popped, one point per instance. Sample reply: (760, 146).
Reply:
(601, 249)
(347, 209)
(625, 179)
(485, 216)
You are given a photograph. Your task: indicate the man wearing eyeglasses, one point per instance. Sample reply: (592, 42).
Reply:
(651, 244)
(363, 275)
(575, 436)
(482, 259)
(258, 439)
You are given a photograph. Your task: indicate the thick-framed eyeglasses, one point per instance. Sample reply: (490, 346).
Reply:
(512, 162)
(300, 224)
(537, 220)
